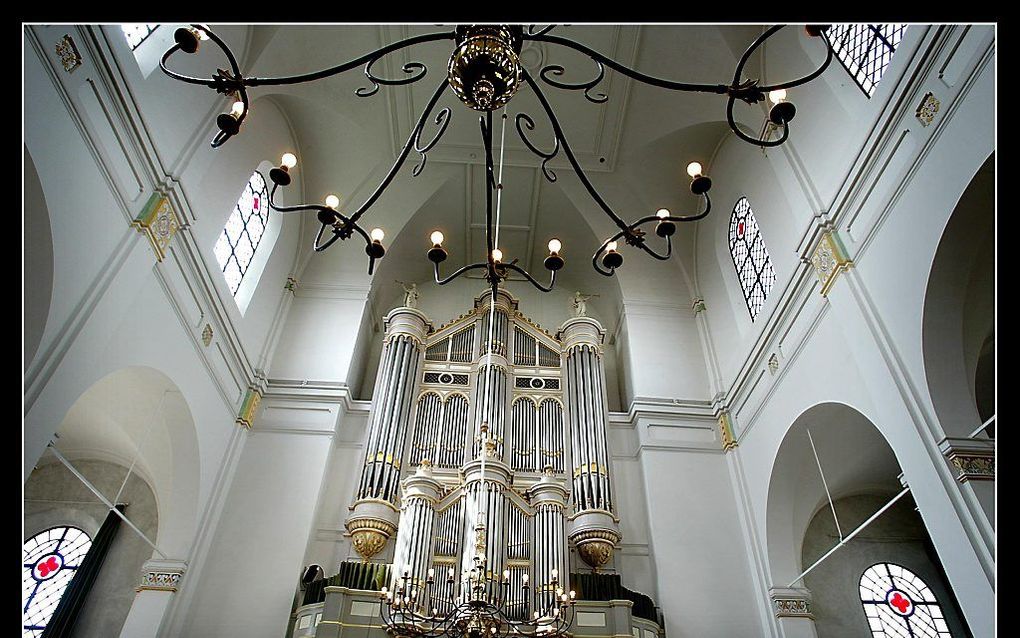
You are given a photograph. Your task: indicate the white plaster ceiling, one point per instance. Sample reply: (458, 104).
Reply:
(635, 147)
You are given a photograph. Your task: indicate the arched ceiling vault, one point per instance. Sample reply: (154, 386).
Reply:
(634, 148)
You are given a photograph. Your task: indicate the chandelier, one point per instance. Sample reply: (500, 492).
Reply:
(485, 73)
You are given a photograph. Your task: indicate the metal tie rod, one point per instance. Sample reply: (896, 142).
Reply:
(851, 535)
(99, 494)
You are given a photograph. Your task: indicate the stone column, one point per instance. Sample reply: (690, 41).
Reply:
(374, 514)
(159, 582)
(549, 551)
(594, 528)
(792, 606)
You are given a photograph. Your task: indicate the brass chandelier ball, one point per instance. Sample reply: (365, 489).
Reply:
(484, 69)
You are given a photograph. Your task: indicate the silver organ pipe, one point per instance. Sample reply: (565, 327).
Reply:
(374, 513)
(523, 430)
(594, 528)
(428, 418)
(550, 440)
(492, 394)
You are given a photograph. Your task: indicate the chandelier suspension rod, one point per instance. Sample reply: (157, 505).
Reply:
(832, 506)
(138, 448)
(850, 535)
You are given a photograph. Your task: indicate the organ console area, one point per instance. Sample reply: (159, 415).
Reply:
(486, 440)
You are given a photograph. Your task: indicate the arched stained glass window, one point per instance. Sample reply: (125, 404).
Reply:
(50, 560)
(865, 50)
(750, 257)
(898, 603)
(135, 34)
(241, 236)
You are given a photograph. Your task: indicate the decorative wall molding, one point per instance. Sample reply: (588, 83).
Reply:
(972, 459)
(66, 50)
(726, 431)
(161, 575)
(829, 258)
(207, 335)
(791, 602)
(698, 305)
(249, 406)
(927, 109)
(158, 222)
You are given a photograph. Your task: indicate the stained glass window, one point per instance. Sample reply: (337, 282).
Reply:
(750, 257)
(135, 34)
(244, 230)
(898, 603)
(50, 559)
(865, 50)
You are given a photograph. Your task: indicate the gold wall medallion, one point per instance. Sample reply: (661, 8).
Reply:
(829, 259)
(159, 223)
(927, 109)
(207, 335)
(68, 52)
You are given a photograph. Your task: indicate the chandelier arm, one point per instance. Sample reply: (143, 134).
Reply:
(720, 89)
(415, 71)
(534, 282)
(556, 69)
(321, 247)
(443, 120)
(368, 58)
(810, 76)
(747, 138)
(530, 125)
(546, 29)
(402, 157)
(570, 154)
(457, 273)
(220, 82)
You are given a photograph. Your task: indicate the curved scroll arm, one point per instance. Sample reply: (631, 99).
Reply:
(402, 157)
(558, 131)
(443, 120)
(457, 273)
(534, 282)
(556, 69)
(415, 71)
(533, 32)
(342, 226)
(530, 125)
(721, 89)
(636, 237)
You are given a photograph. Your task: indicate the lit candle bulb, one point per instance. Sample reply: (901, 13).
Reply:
(555, 245)
(450, 572)
(289, 160)
(524, 577)
(662, 213)
(377, 234)
(694, 169)
(554, 573)
(384, 591)
(432, 572)
(563, 597)
(559, 591)
(332, 200)
(237, 108)
(437, 237)
(777, 96)
(497, 254)
(611, 246)
(536, 615)
(506, 574)
(572, 594)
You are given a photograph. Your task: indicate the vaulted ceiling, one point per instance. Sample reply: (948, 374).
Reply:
(634, 146)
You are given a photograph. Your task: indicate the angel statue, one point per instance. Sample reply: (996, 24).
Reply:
(411, 294)
(580, 307)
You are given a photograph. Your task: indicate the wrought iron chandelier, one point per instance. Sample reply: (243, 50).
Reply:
(484, 72)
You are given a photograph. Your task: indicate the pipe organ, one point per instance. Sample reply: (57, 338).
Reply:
(528, 405)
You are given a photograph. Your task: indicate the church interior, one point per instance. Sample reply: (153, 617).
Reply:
(509, 331)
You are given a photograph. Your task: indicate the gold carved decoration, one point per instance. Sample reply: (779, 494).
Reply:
(595, 546)
(207, 335)
(927, 109)
(246, 415)
(973, 467)
(369, 535)
(159, 223)
(829, 259)
(726, 428)
(68, 52)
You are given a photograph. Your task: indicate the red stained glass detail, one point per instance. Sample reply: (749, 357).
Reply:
(740, 229)
(255, 203)
(900, 602)
(47, 566)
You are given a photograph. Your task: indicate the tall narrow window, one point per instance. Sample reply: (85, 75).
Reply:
(750, 257)
(135, 34)
(865, 50)
(898, 603)
(49, 561)
(241, 236)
